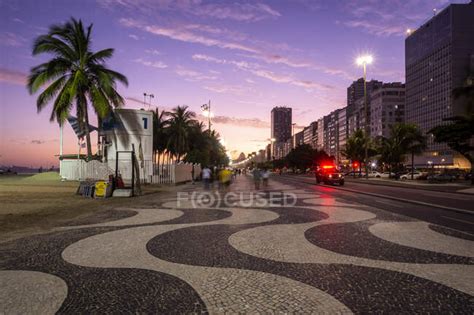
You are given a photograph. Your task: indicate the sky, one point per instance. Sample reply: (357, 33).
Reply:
(244, 56)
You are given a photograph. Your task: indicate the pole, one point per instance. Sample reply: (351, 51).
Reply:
(366, 123)
(209, 116)
(60, 140)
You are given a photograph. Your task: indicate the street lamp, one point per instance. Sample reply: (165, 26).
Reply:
(206, 108)
(364, 61)
(144, 99)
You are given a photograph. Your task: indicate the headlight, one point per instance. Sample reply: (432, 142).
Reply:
(330, 176)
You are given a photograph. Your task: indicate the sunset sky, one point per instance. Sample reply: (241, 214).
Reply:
(244, 56)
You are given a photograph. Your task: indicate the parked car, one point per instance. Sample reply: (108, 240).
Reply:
(387, 175)
(375, 174)
(468, 176)
(355, 174)
(406, 176)
(443, 177)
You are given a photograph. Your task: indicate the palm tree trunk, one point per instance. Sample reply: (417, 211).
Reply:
(88, 135)
(412, 165)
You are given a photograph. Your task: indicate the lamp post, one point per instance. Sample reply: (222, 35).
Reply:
(207, 109)
(364, 61)
(150, 97)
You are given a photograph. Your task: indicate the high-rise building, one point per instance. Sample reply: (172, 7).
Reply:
(299, 138)
(356, 91)
(387, 107)
(341, 134)
(331, 128)
(320, 133)
(437, 60)
(281, 123)
(280, 129)
(310, 134)
(355, 110)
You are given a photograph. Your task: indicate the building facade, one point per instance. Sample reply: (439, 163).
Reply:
(331, 128)
(281, 120)
(341, 135)
(387, 107)
(311, 134)
(437, 60)
(320, 135)
(299, 138)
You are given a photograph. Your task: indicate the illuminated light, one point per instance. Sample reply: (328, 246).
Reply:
(409, 31)
(207, 113)
(328, 166)
(364, 60)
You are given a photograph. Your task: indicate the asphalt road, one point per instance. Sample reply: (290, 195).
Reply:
(430, 213)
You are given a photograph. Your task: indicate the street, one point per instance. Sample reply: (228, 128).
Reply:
(295, 247)
(421, 204)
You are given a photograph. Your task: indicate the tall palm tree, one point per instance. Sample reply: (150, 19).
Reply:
(355, 147)
(160, 136)
(75, 76)
(414, 142)
(180, 123)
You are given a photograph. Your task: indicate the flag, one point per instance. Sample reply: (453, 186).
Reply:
(76, 126)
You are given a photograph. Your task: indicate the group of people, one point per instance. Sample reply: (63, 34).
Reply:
(223, 175)
(260, 176)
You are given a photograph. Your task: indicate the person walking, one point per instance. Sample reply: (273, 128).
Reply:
(206, 177)
(265, 177)
(256, 177)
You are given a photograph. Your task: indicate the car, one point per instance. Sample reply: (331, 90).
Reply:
(329, 174)
(406, 176)
(443, 177)
(468, 176)
(375, 174)
(387, 175)
(355, 174)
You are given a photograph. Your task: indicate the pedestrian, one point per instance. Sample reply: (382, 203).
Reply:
(256, 177)
(265, 177)
(206, 177)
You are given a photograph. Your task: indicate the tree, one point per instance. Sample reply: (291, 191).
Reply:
(355, 147)
(301, 157)
(160, 124)
(75, 76)
(414, 142)
(179, 127)
(405, 138)
(459, 134)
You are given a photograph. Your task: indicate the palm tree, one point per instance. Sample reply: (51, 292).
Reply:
(180, 124)
(414, 142)
(404, 138)
(75, 76)
(389, 153)
(160, 124)
(355, 147)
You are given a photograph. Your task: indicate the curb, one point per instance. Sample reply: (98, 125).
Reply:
(381, 183)
(400, 199)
